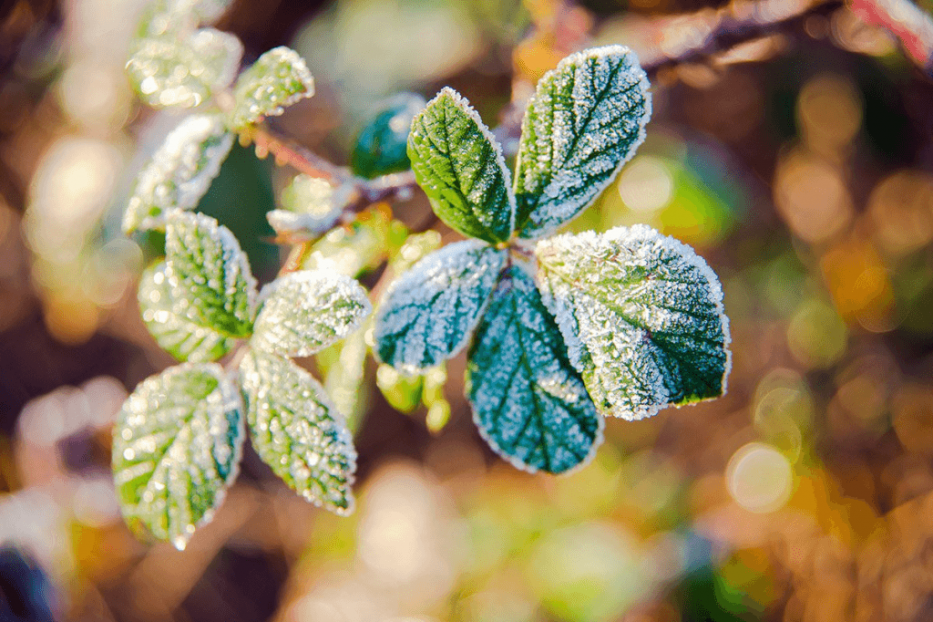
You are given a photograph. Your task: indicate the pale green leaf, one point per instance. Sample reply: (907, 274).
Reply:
(310, 206)
(529, 403)
(182, 337)
(642, 316)
(459, 165)
(297, 431)
(176, 446)
(180, 171)
(175, 17)
(343, 366)
(279, 78)
(585, 121)
(306, 311)
(429, 313)
(209, 274)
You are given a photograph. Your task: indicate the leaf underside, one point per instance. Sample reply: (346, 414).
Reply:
(278, 78)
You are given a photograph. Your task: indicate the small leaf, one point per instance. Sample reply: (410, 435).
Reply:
(381, 147)
(358, 247)
(429, 313)
(173, 331)
(528, 401)
(209, 275)
(585, 121)
(310, 206)
(180, 171)
(343, 366)
(297, 431)
(459, 165)
(642, 316)
(167, 71)
(176, 447)
(279, 78)
(306, 311)
(163, 17)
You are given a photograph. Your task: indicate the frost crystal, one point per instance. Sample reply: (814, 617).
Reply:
(528, 401)
(306, 311)
(176, 446)
(183, 338)
(584, 122)
(297, 431)
(642, 315)
(180, 171)
(209, 276)
(277, 79)
(429, 313)
(310, 205)
(460, 166)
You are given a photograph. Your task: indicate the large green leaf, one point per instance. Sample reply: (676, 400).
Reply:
(584, 122)
(459, 165)
(528, 401)
(642, 316)
(209, 274)
(176, 447)
(306, 311)
(180, 171)
(277, 79)
(182, 337)
(297, 431)
(429, 313)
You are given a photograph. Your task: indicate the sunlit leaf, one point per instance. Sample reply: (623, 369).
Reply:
(310, 206)
(381, 147)
(278, 79)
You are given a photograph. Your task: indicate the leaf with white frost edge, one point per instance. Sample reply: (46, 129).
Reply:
(310, 206)
(306, 311)
(209, 274)
(176, 449)
(584, 122)
(297, 431)
(181, 337)
(278, 78)
(180, 171)
(167, 71)
(428, 314)
(642, 316)
(459, 165)
(528, 401)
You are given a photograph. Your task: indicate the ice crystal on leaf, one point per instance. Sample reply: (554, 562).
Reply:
(642, 315)
(306, 311)
(176, 445)
(528, 401)
(180, 171)
(429, 313)
(279, 78)
(297, 431)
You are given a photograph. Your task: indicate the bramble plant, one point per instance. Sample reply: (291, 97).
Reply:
(560, 329)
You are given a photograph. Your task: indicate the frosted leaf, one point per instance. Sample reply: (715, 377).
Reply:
(306, 311)
(182, 337)
(459, 165)
(297, 431)
(176, 446)
(584, 122)
(381, 147)
(162, 17)
(180, 171)
(357, 247)
(310, 206)
(208, 274)
(277, 79)
(642, 316)
(428, 314)
(168, 71)
(528, 401)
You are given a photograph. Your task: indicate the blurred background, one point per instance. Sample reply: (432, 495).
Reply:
(798, 163)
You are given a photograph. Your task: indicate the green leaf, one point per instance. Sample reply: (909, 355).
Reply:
(306, 311)
(429, 313)
(528, 401)
(168, 71)
(310, 206)
(381, 147)
(209, 274)
(585, 121)
(176, 446)
(162, 17)
(642, 316)
(297, 431)
(343, 367)
(165, 318)
(277, 79)
(180, 171)
(459, 165)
